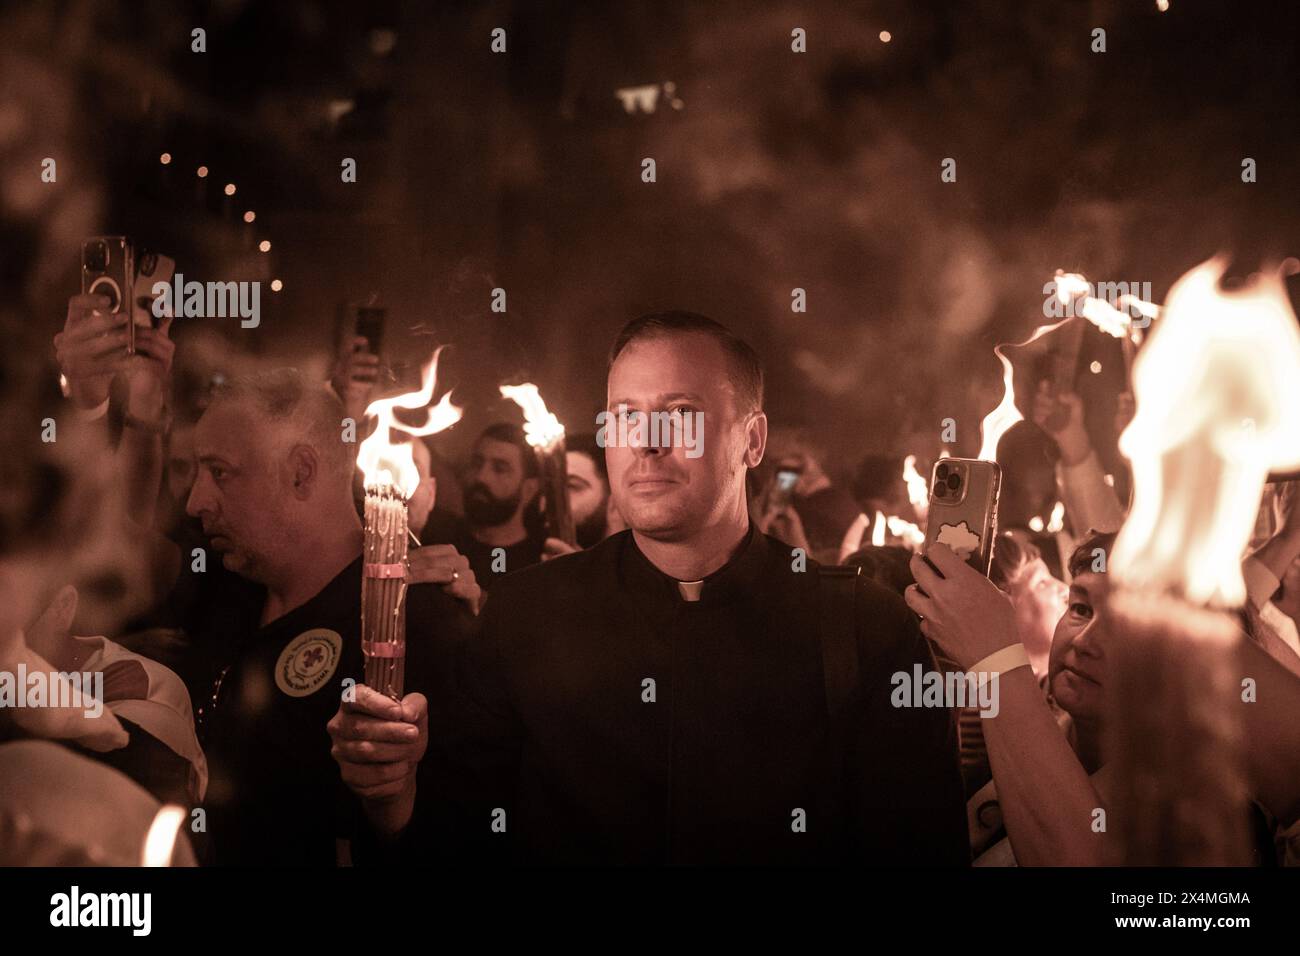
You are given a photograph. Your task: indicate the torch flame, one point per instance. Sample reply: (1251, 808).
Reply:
(996, 422)
(160, 841)
(878, 531)
(918, 490)
(903, 529)
(1111, 319)
(383, 462)
(541, 427)
(1217, 388)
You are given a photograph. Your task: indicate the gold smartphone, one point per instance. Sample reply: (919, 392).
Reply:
(964, 509)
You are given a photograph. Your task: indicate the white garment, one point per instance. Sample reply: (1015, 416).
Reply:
(165, 712)
(1262, 584)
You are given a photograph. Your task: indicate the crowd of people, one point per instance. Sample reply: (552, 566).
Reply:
(705, 674)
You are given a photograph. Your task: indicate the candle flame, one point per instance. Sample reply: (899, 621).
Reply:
(996, 422)
(878, 531)
(918, 490)
(904, 530)
(384, 462)
(541, 427)
(1217, 389)
(160, 841)
(1115, 320)
(1056, 521)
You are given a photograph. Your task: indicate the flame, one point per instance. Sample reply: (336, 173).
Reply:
(918, 490)
(1056, 521)
(541, 427)
(878, 531)
(904, 530)
(384, 463)
(1217, 389)
(160, 841)
(1117, 322)
(996, 422)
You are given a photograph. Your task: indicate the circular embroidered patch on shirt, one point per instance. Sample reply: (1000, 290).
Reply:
(308, 661)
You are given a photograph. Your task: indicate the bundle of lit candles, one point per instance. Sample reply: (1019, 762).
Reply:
(390, 479)
(383, 590)
(545, 435)
(1216, 411)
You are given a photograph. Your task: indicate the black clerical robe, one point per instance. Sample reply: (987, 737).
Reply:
(601, 718)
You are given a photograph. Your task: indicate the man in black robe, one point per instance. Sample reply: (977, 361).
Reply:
(682, 692)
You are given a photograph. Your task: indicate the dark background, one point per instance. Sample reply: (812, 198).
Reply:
(777, 170)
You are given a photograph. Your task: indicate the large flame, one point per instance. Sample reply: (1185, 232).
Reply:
(541, 427)
(1218, 407)
(384, 462)
(996, 422)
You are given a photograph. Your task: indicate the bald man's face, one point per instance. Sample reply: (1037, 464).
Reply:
(243, 489)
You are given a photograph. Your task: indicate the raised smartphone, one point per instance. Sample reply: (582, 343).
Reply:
(964, 509)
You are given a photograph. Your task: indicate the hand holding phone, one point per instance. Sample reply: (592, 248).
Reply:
(783, 489)
(355, 376)
(91, 349)
(370, 326)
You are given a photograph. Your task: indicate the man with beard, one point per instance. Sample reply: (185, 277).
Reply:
(497, 534)
(687, 691)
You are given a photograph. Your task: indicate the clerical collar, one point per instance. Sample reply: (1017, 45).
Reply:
(736, 579)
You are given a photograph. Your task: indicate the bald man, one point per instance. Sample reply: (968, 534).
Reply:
(273, 491)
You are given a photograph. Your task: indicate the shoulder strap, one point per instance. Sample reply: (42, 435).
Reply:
(837, 589)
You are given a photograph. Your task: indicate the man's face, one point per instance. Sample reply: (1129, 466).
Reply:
(661, 492)
(588, 495)
(242, 489)
(496, 487)
(1078, 665)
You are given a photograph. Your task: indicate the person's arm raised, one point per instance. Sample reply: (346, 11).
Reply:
(1047, 799)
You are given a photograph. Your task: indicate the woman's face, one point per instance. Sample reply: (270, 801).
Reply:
(1078, 665)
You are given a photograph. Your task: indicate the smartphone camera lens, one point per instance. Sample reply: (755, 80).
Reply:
(941, 491)
(941, 472)
(954, 482)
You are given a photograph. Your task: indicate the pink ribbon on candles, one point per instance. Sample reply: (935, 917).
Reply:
(384, 570)
(384, 648)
